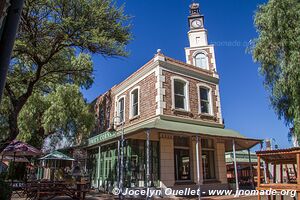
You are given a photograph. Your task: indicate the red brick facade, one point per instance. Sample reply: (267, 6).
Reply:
(148, 82)
(193, 99)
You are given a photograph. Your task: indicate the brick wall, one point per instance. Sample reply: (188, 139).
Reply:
(193, 99)
(147, 101)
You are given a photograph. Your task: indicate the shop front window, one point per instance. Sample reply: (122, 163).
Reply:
(208, 159)
(182, 159)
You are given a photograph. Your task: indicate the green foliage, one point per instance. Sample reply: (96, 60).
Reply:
(64, 111)
(277, 49)
(52, 60)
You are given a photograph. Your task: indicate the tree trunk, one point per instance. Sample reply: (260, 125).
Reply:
(13, 130)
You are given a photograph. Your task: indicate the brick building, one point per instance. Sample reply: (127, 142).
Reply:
(168, 110)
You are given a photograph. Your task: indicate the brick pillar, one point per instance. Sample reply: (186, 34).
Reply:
(167, 171)
(221, 164)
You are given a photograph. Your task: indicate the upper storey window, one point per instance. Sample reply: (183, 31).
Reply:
(201, 61)
(205, 100)
(180, 99)
(121, 109)
(134, 103)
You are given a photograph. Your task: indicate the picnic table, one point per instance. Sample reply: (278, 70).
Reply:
(49, 189)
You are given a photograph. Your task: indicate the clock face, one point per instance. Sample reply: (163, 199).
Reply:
(197, 23)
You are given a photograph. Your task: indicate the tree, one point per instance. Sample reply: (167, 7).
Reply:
(277, 49)
(52, 49)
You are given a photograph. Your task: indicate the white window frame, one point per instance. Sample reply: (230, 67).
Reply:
(118, 109)
(194, 59)
(131, 102)
(186, 90)
(211, 111)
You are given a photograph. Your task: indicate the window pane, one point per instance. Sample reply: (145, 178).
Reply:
(204, 107)
(179, 87)
(208, 160)
(203, 93)
(179, 90)
(135, 96)
(121, 109)
(135, 102)
(201, 61)
(135, 109)
(204, 100)
(207, 143)
(179, 102)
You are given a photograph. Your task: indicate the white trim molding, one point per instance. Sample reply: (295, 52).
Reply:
(117, 112)
(186, 90)
(160, 91)
(210, 100)
(218, 102)
(131, 102)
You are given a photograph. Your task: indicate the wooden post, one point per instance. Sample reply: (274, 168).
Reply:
(298, 177)
(258, 175)
(267, 173)
(274, 177)
(281, 178)
(287, 173)
(295, 171)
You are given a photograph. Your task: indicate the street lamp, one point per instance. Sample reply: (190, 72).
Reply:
(120, 172)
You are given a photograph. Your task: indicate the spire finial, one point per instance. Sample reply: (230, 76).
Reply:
(194, 8)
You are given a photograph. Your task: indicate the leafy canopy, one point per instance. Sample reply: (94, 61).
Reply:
(277, 49)
(52, 60)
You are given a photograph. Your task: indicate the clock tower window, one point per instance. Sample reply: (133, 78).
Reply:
(201, 61)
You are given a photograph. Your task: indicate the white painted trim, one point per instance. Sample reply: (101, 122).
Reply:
(219, 104)
(198, 79)
(160, 91)
(118, 111)
(131, 101)
(211, 110)
(122, 87)
(187, 98)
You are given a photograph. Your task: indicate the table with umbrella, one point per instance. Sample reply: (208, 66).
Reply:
(17, 152)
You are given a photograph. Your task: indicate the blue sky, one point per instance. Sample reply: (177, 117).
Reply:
(162, 24)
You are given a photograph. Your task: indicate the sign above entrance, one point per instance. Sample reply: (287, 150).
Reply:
(102, 137)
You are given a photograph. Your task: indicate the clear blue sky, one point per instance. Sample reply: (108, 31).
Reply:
(163, 24)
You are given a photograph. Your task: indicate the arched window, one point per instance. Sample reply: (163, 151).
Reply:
(205, 100)
(134, 99)
(180, 94)
(121, 109)
(201, 61)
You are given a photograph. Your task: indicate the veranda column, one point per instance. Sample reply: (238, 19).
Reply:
(98, 167)
(298, 177)
(148, 160)
(235, 165)
(198, 166)
(251, 169)
(258, 175)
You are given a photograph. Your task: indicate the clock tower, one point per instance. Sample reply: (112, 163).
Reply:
(199, 52)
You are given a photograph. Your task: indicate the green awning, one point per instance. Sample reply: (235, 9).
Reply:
(165, 124)
(56, 155)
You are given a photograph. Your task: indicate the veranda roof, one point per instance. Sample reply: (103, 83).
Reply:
(166, 124)
(56, 155)
(284, 156)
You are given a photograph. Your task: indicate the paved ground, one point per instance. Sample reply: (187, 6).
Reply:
(109, 197)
